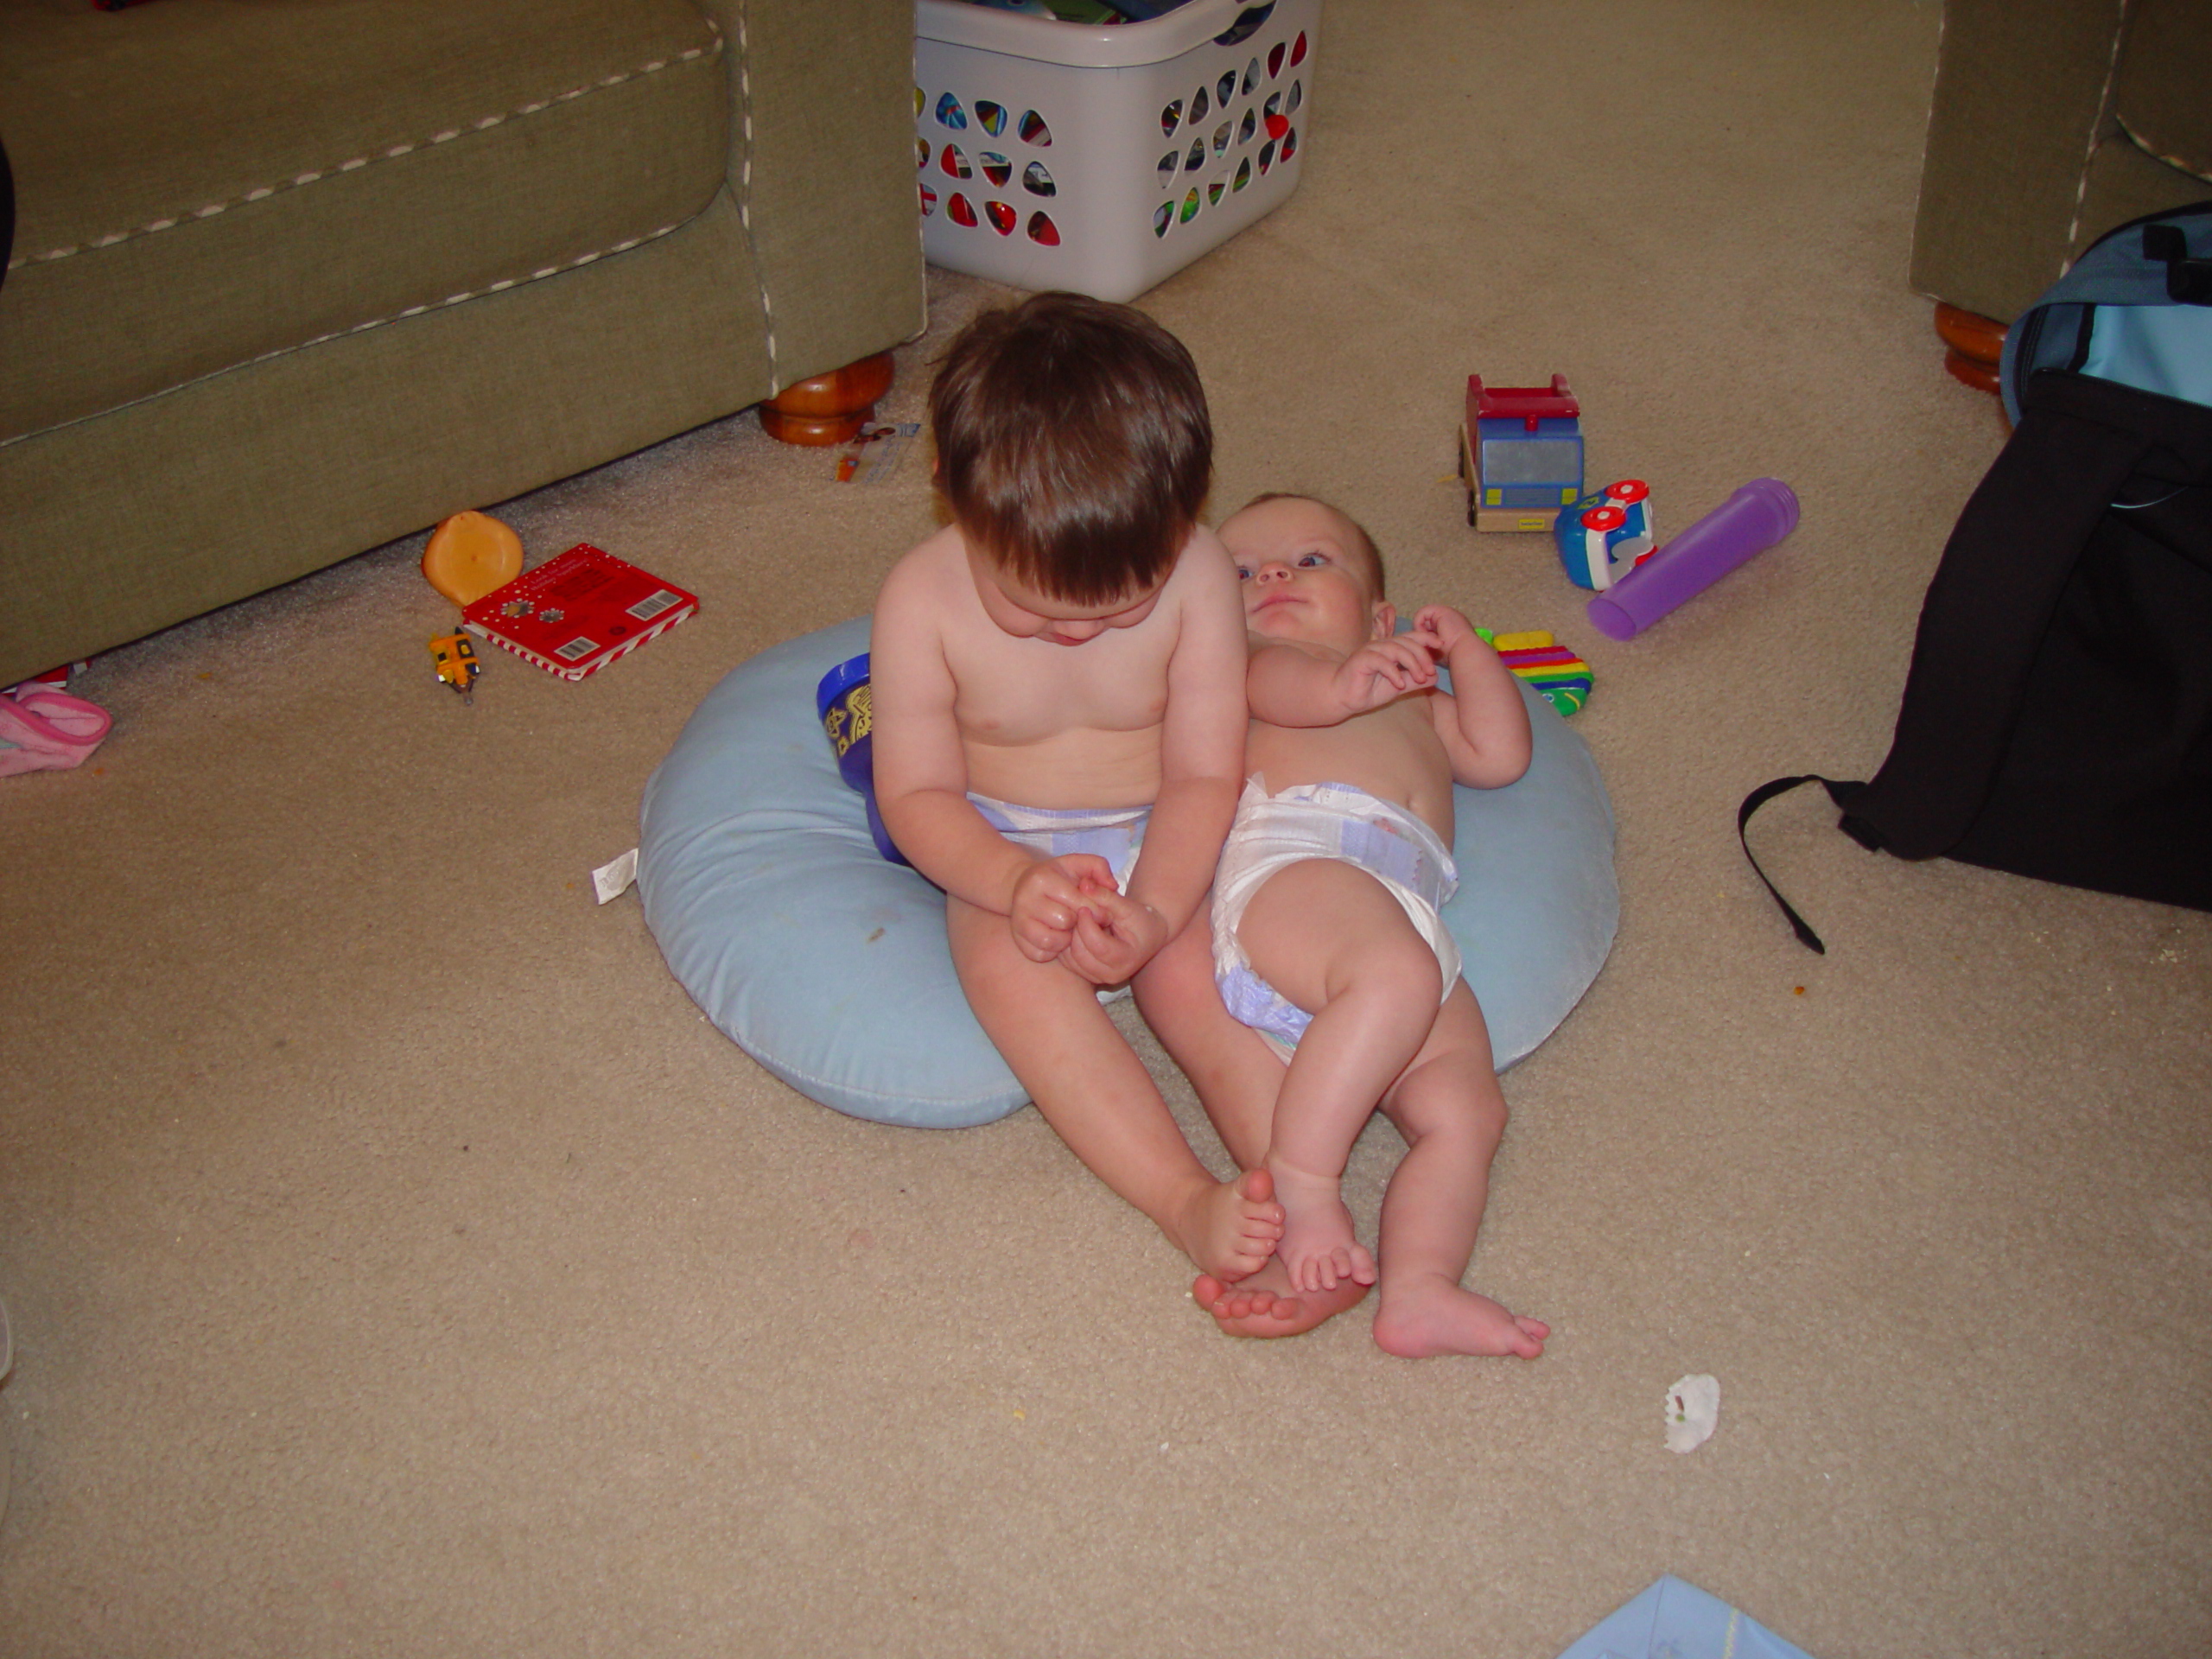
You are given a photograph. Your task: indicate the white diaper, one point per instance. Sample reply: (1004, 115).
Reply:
(1114, 833)
(1322, 820)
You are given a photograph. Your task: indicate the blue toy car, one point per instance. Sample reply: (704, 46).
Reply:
(1601, 537)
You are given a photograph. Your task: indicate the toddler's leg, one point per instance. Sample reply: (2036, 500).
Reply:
(1095, 1092)
(1330, 938)
(1238, 1076)
(1450, 1110)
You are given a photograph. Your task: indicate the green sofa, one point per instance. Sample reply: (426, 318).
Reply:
(291, 278)
(2054, 121)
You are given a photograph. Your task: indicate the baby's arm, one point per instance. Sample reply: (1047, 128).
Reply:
(921, 782)
(1483, 722)
(1291, 685)
(1201, 770)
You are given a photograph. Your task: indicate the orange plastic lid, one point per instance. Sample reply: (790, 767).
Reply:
(470, 555)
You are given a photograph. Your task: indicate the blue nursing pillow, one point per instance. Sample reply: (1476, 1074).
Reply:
(829, 964)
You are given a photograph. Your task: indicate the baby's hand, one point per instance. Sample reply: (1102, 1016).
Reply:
(1115, 936)
(1443, 626)
(1381, 669)
(1048, 898)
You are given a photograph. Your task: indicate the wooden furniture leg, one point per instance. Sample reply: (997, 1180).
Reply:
(831, 408)
(1977, 344)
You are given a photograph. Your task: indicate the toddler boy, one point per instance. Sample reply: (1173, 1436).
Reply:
(1059, 722)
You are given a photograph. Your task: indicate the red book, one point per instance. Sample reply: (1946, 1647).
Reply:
(579, 611)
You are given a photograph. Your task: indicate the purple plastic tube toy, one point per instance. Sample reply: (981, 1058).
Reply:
(1749, 521)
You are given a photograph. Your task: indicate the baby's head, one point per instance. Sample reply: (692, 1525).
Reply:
(1308, 571)
(1073, 447)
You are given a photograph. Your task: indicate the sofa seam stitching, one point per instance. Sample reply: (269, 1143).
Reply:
(427, 306)
(745, 190)
(2149, 146)
(394, 152)
(2096, 134)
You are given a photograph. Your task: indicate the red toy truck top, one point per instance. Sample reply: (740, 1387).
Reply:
(1529, 404)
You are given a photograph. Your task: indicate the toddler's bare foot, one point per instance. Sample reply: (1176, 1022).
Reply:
(1262, 1305)
(1317, 1246)
(1432, 1315)
(1232, 1227)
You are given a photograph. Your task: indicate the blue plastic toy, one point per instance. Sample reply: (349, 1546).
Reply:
(1601, 537)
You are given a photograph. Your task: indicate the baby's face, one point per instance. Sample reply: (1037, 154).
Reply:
(1019, 609)
(1305, 572)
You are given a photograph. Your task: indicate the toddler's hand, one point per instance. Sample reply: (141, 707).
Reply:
(1381, 669)
(1048, 898)
(1115, 936)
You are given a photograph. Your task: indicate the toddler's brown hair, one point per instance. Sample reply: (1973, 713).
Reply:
(1073, 444)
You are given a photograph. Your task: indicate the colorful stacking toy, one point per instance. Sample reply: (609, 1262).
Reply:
(1559, 677)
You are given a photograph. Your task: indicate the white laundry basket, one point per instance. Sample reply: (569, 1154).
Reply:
(1105, 159)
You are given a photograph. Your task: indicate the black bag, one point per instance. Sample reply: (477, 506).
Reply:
(2057, 713)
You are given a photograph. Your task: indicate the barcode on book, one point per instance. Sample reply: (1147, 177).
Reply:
(646, 609)
(578, 648)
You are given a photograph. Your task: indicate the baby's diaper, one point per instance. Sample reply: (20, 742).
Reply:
(1322, 820)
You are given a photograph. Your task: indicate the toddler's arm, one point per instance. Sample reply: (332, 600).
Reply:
(921, 785)
(1483, 722)
(1290, 685)
(1201, 770)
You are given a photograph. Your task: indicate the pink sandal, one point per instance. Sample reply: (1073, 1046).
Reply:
(43, 731)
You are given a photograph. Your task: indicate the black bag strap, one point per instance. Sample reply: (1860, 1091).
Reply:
(1843, 794)
(2189, 281)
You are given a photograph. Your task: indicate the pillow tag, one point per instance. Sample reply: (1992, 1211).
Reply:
(612, 880)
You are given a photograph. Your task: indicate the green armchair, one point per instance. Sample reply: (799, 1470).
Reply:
(292, 279)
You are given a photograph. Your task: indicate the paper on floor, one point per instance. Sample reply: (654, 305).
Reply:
(1693, 1409)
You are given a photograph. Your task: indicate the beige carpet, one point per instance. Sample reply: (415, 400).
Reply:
(399, 1265)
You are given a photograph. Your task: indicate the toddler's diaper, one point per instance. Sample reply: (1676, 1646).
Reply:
(1322, 820)
(1113, 833)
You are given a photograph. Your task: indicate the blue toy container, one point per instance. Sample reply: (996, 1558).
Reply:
(843, 704)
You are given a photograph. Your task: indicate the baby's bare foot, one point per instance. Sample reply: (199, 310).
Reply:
(1262, 1306)
(1231, 1228)
(1432, 1315)
(1317, 1246)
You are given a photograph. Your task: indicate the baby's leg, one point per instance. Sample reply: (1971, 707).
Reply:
(1330, 938)
(1045, 1020)
(1237, 1077)
(1450, 1110)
